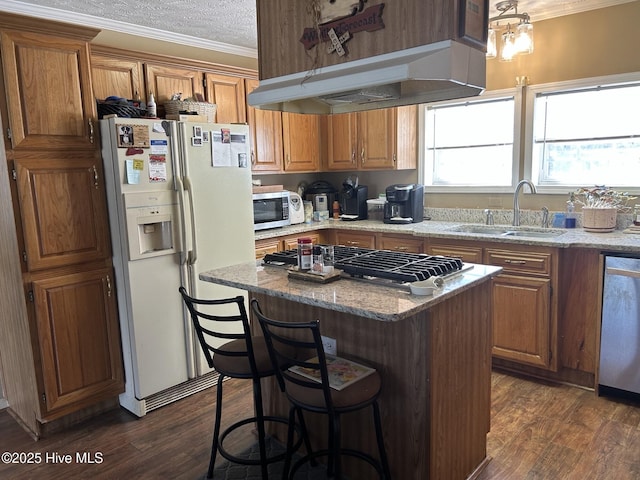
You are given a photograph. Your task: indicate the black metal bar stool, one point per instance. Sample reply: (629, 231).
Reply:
(243, 356)
(304, 339)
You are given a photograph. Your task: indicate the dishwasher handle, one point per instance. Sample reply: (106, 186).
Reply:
(623, 272)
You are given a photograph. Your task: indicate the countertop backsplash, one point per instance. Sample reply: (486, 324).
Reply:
(531, 218)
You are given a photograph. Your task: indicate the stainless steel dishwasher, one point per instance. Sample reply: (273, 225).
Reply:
(620, 336)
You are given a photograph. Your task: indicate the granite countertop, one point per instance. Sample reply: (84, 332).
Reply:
(566, 238)
(365, 299)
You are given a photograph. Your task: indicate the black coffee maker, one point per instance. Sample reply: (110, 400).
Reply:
(405, 203)
(353, 200)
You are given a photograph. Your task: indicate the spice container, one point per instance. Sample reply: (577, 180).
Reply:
(305, 253)
(318, 260)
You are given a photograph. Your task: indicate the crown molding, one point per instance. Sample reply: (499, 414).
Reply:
(47, 13)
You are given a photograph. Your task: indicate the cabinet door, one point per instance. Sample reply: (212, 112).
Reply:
(376, 138)
(116, 76)
(266, 136)
(301, 136)
(78, 339)
(342, 132)
(228, 94)
(63, 209)
(521, 319)
(164, 81)
(49, 94)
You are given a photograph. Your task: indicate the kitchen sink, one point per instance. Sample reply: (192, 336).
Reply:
(487, 230)
(529, 233)
(504, 231)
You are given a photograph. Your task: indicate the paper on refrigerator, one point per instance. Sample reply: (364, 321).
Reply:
(229, 149)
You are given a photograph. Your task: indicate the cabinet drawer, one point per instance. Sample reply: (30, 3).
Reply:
(292, 243)
(271, 245)
(515, 261)
(351, 239)
(467, 254)
(401, 243)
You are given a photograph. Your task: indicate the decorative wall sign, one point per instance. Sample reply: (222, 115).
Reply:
(336, 42)
(368, 20)
(474, 21)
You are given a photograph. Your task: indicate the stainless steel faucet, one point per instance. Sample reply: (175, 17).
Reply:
(516, 205)
(545, 217)
(488, 217)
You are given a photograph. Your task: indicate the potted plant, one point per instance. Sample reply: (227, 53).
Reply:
(600, 207)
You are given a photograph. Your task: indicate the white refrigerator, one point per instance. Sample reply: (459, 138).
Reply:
(179, 199)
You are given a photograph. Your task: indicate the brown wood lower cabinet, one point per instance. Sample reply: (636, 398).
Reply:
(401, 243)
(349, 238)
(287, 242)
(79, 342)
(467, 253)
(525, 317)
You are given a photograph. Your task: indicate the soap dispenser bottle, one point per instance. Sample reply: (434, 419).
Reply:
(570, 216)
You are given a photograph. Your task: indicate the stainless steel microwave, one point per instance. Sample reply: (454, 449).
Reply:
(271, 210)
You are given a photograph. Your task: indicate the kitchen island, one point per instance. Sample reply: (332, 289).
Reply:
(433, 352)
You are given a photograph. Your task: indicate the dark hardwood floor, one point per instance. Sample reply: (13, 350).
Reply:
(538, 431)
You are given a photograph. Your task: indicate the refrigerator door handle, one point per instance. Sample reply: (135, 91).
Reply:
(192, 255)
(178, 187)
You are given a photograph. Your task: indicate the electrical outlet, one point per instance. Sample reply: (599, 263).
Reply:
(330, 345)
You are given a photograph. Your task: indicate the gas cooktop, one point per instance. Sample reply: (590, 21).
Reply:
(380, 264)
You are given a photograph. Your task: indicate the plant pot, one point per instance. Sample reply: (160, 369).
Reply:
(599, 219)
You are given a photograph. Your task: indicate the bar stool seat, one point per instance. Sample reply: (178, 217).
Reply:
(312, 392)
(242, 356)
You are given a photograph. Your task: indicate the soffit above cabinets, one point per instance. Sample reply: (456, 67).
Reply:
(223, 25)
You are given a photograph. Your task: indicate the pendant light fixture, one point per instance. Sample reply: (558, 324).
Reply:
(515, 39)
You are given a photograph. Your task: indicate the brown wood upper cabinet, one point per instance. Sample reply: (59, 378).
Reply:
(49, 94)
(228, 93)
(384, 139)
(165, 80)
(117, 76)
(63, 210)
(283, 142)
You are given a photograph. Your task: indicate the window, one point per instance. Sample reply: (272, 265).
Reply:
(473, 144)
(584, 133)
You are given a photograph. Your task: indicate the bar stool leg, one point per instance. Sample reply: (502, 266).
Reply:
(257, 402)
(216, 427)
(383, 453)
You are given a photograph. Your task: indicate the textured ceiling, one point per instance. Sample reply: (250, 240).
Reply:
(219, 24)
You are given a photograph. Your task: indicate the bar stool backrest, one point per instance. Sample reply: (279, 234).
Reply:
(211, 329)
(296, 345)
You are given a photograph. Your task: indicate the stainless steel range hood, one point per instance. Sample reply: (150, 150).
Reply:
(428, 73)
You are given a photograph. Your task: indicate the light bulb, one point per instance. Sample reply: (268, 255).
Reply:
(508, 46)
(492, 48)
(524, 38)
